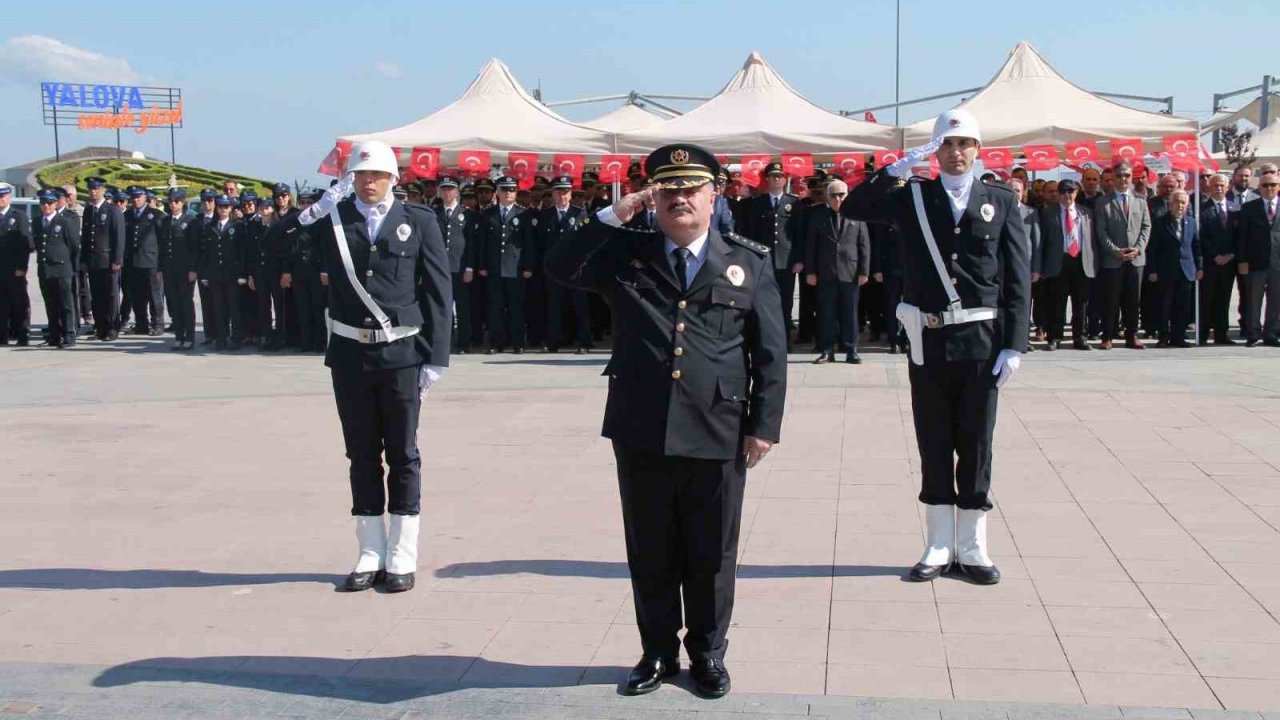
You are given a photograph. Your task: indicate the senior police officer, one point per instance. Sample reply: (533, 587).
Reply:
(966, 308)
(15, 257)
(697, 383)
(178, 254)
(391, 311)
(57, 245)
(102, 251)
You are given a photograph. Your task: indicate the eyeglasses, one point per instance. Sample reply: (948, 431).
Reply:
(1269, 185)
(839, 195)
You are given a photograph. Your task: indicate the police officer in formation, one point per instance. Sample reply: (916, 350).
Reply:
(966, 305)
(506, 239)
(141, 260)
(769, 221)
(554, 225)
(697, 383)
(223, 271)
(15, 256)
(57, 246)
(102, 251)
(302, 274)
(458, 228)
(179, 251)
(391, 312)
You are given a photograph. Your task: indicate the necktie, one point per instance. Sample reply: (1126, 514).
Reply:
(1124, 204)
(1223, 208)
(1271, 211)
(503, 212)
(775, 202)
(1073, 249)
(649, 218)
(560, 217)
(682, 266)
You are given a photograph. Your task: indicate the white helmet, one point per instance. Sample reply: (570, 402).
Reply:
(956, 123)
(374, 155)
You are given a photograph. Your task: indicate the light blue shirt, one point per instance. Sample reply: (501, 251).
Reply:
(698, 255)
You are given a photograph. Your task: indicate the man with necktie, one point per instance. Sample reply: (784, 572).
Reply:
(1174, 268)
(1067, 264)
(1122, 224)
(1218, 245)
(1258, 260)
(556, 224)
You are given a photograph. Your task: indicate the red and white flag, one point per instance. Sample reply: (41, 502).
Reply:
(1083, 152)
(474, 162)
(1183, 151)
(335, 163)
(1040, 157)
(752, 166)
(1129, 149)
(996, 158)
(424, 162)
(797, 164)
(613, 167)
(523, 165)
(848, 165)
(570, 165)
(885, 158)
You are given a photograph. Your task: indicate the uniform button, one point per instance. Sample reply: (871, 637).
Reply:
(957, 231)
(955, 256)
(679, 351)
(368, 273)
(679, 327)
(675, 374)
(954, 281)
(682, 304)
(733, 302)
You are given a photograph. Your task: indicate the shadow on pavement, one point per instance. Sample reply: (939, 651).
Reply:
(600, 360)
(602, 569)
(373, 680)
(93, 579)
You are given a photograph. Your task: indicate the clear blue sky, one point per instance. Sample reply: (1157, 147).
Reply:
(269, 85)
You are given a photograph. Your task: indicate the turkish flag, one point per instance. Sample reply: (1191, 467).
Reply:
(424, 162)
(798, 164)
(1207, 161)
(526, 182)
(523, 165)
(336, 161)
(613, 167)
(1126, 149)
(474, 162)
(1040, 157)
(885, 158)
(869, 117)
(849, 164)
(996, 158)
(1183, 151)
(570, 165)
(722, 159)
(752, 166)
(1085, 151)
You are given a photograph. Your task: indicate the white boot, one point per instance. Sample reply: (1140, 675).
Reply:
(402, 561)
(940, 535)
(373, 544)
(971, 547)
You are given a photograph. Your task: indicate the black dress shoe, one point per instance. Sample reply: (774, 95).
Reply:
(823, 359)
(980, 575)
(393, 583)
(1081, 345)
(853, 359)
(491, 351)
(893, 349)
(1268, 343)
(1250, 342)
(581, 351)
(518, 350)
(358, 581)
(710, 677)
(925, 573)
(1051, 345)
(1225, 341)
(1179, 343)
(649, 673)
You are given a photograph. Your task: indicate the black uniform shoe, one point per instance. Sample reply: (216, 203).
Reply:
(1225, 341)
(358, 581)
(551, 349)
(853, 359)
(893, 349)
(1271, 342)
(581, 351)
(1081, 345)
(1250, 342)
(925, 573)
(1051, 345)
(220, 345)
(710, 677)
(980, 575)
(207, 340)
(649, 673)
(518, 350)
(393, 583)
(823, 359)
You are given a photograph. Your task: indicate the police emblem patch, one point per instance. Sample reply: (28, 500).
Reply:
(679, 156)
(403, 231)
(988, 211)
(515, 222)
(637, 263)
(736, 275)
(535, 222)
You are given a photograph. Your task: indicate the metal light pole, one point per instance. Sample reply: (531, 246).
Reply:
(897, 62)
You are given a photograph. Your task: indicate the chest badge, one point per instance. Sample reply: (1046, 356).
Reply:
(736, 275)
(515, 222)
(637, 263)
(988, 211)
(403, 231)
(535, 222)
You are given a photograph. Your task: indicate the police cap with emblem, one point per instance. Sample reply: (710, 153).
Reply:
(562, 182)
(484, 184)
(177, 195)
(590, 178)
(208, 194)
(5, 188)
(468, 191)
(248, 196)
(46, 196)
(62, 194)
(774, 168)
(280, 189)
(95, 182)
(506, 182)
(223, 201)
(446, 181)
(137, 191)
(399, 192)
(681, 166)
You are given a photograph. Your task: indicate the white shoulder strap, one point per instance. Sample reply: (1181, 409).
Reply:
(952, 297)
(345, 252)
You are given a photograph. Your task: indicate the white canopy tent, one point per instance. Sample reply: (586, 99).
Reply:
(1028, 102)
(758, 112)
(628, 117)
(495, 114)
(1251, 112)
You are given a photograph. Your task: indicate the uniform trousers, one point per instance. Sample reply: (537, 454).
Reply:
(1120, 289)
(954, 406)
(681, 518)
(224, 297)
(578, 300)
(787, 287)
(157, 302)
(125, 306)
(60, 306)
(506, 311)
(808, 324)
(139, 281)
(1071, 283)
(892, 296)
(379, 414)
(837, 313)
(105, 286)
(84, 296)
(206, 311)
(1174, 298)
(309, 297)
(1215, 298)
(267, 296)
(15, 309)
(462, 311)
(180, 294)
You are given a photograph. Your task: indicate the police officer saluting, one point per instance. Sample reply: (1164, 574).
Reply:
(102, 250)
(697, 383)
(57, 241)
(391, 314)
(178, 254)
(966, 304)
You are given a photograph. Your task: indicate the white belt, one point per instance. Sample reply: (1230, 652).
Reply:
(958, 316)
(369, 336)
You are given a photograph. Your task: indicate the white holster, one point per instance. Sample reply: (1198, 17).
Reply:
(913, 325)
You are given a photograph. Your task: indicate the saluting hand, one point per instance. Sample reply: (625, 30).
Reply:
(629, 205)
(755, 449)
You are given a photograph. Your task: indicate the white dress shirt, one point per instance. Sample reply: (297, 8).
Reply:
(1075, 228)
(374, 215)
(958, 188)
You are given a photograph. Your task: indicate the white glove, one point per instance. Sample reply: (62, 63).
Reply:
(427, 376)
(914, 157)
(241, 281)
(1007, 363)
(329, 200)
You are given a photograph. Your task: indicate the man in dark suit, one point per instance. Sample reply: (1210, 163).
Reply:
(1067, 264)
(1258, 259)
(1040, 314)
(458, 228)
(966, 307)
(813, 203)
(886, 269)
(15, 257)
(177, 268)
(838, 263)
(1122, 226)
(102, 250)
(555, 224)
(1174, 268)
(697, 384)
(141, 259)
(57, 246)
(769, 220)
(506, 234)
(1218, 244)
(391, 312)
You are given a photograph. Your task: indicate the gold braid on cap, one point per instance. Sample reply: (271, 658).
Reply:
(672, 172)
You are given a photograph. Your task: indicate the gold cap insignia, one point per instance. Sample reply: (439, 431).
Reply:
(679, 156)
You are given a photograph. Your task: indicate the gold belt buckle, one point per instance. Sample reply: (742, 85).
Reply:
(366, 336)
